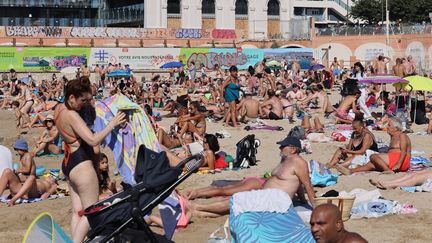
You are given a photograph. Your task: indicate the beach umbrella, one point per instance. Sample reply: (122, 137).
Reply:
(316, 67)
(383, 79)
(273, 63)
(416, 83)
(119, 73)
(172, 65)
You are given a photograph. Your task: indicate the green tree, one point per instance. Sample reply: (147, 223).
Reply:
(373, 11)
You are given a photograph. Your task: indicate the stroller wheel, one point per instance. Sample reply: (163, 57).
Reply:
(280, 129)
(257, 143)
(247, 128)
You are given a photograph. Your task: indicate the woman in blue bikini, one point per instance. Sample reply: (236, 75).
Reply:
(231, 91)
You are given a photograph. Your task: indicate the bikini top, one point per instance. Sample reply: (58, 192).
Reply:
(373, 147)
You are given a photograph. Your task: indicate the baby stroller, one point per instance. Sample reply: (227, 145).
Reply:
(120, 218)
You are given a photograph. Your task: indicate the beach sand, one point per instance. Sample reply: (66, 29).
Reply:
(392, 228)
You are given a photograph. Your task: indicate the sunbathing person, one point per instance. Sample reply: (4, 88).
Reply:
(327, 226)
(193, 122)
(290, 176)
(49, 141)
(347, 104)
(23, 180)
(316, 128)
(272, 108)
(107, 187)
(410, 179)
(211, 146)
(361, 141)
(287, 106)
(248, 107)
(397, 159)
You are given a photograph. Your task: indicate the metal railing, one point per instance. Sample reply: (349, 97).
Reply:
(131, 13)
(51, 3)
(346, 30)
(342, 4)
(72, 22)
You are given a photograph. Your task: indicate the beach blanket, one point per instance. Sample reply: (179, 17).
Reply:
(4, 199)
(268, 227)
(258, 201)
(418, 163)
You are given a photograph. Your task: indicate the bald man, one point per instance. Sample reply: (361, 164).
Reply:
(327, 226)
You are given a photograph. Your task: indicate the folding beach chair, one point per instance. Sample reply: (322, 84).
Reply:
(120, 218)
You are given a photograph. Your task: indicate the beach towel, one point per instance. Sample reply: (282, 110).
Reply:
(44, 154)
(425, 187)
(268, 227)
(363, 159)
(4, 199)
(320, 175)
(5, 159)
(268, 200)
(374, 209)
(318, 138)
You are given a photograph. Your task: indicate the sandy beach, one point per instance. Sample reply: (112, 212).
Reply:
(392, 228)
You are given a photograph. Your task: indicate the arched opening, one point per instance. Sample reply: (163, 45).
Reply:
(273, 21)
(173, 7)
(273, 8)
(241, 15)
(208, 14)
(208, 7)
(241, 7)
(174, 14)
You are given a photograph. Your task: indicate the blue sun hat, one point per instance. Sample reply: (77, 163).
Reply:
(21, 145)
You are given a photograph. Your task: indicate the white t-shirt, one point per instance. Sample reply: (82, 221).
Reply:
(5, 159)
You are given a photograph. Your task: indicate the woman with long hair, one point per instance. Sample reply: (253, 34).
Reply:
(78, 140)
(231, 94)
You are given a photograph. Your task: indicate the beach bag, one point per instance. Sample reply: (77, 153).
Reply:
(246, 151)
(297, 132)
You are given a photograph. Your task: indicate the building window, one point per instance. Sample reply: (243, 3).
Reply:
(241, 7)
(273, 8)
(208, 7)
(173, 7)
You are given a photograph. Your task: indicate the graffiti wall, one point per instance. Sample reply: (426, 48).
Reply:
(129, 33)
(223, 57)
(30, 59)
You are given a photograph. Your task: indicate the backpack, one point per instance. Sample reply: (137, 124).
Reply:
(297, 132)
(246, 151)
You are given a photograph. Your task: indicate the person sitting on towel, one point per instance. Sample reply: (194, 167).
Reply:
(327, 226)
(361, 141)
(398, 157)
(272, 108)
(289, 176)
(21, 182)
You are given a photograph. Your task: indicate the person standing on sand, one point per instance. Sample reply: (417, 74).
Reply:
(380, 64)
(399, 69)
(410, 67)
(78, 140)
(231, 93)
(327, 226)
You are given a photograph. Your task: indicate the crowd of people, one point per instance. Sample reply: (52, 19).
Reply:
(65, 110)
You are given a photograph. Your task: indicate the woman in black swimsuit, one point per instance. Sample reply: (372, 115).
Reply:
(361, 140)
(78, 146)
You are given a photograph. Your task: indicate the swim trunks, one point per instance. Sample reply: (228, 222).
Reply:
(273, 116)
(393, 159)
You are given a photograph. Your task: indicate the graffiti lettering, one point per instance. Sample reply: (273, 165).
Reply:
(224, 34)
(34, 31)
(222, 59)
(189, 34)
(98, 32)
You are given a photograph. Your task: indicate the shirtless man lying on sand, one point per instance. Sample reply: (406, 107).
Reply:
(290, 176)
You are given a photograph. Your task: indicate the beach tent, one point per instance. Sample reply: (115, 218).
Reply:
(43, 229)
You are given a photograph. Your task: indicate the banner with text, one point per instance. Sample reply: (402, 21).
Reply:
(34, 58)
